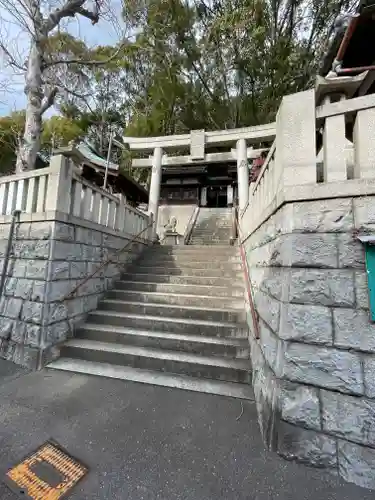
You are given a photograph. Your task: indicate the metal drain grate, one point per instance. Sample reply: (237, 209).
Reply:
(49, 473)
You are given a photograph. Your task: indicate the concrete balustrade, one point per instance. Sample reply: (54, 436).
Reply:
(291, 170)
(59, 188)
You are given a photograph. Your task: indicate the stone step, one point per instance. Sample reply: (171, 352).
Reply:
(186, 271)
(184, 248)
(168, 324)
(209, 225)
(208, 242)
(223, 226)
(197, 344)
(231, 370)
(234, 390)
(199, 252)
(173, 311)
(154, 297)
(189, 262)
(185, 279)
(229, 292)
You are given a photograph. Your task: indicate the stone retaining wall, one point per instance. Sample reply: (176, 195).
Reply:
(314, 365)
(49, 259)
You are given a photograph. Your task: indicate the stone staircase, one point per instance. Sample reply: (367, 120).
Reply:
(213, 227)
(176, 318)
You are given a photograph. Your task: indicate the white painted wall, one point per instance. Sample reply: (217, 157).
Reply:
(182, 214)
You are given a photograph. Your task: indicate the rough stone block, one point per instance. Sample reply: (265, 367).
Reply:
(369, 371)
(323, 216)
(310, 250)
(10, 286)
(8, 350)
(268, 309)
(35, 249)
(57, 332)
(6, 327)
(32, 312)
(59, 270)
(357, 464)
(93, 285)
(349, 417)
(83, 235)
(364, 212)
(322, 287)
(97, 254)
(37, 269)
(28, 357)
(267, 255)
(18, 268)
(63, 232)
(78, 270)
(264, 234)
(300, 405)
(64, 250)
(58, 290)
(97, 238)
(56, 311)
(87, 252)
(283, 219)
(270, 347)
(361, 289)
(310, 324)
(41, 230)
(353, 329)
(265, 389)
(22, 231)
(33, 335)
(323, 367)
(18, 332)
(351, 252)
(12, 308)
(23, 289)
(38, 293)
(307, 446)
(3, 247)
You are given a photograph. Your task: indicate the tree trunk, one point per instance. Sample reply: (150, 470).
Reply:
(30, 143)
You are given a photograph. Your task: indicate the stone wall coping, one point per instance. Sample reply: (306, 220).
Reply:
(70, 219)
(312, 192)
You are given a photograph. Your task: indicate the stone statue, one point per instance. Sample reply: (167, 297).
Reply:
(170, 227)
(171, 237)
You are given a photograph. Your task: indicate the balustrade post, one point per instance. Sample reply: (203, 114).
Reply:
(364, 144)
(59, 185)
(296, 140)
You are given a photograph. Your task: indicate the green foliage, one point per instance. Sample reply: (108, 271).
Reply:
(58, 131)
(11, 128)
(210, 64)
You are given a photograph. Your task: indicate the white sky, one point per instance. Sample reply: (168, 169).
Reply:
(12, 96)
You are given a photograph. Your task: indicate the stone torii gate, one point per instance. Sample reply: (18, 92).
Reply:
(237, 145)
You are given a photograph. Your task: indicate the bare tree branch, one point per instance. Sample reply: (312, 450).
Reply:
(49, 101)
(83, 62)
(11, 59)
(70, 9)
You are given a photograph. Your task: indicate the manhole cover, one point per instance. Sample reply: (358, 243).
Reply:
(49, 473)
